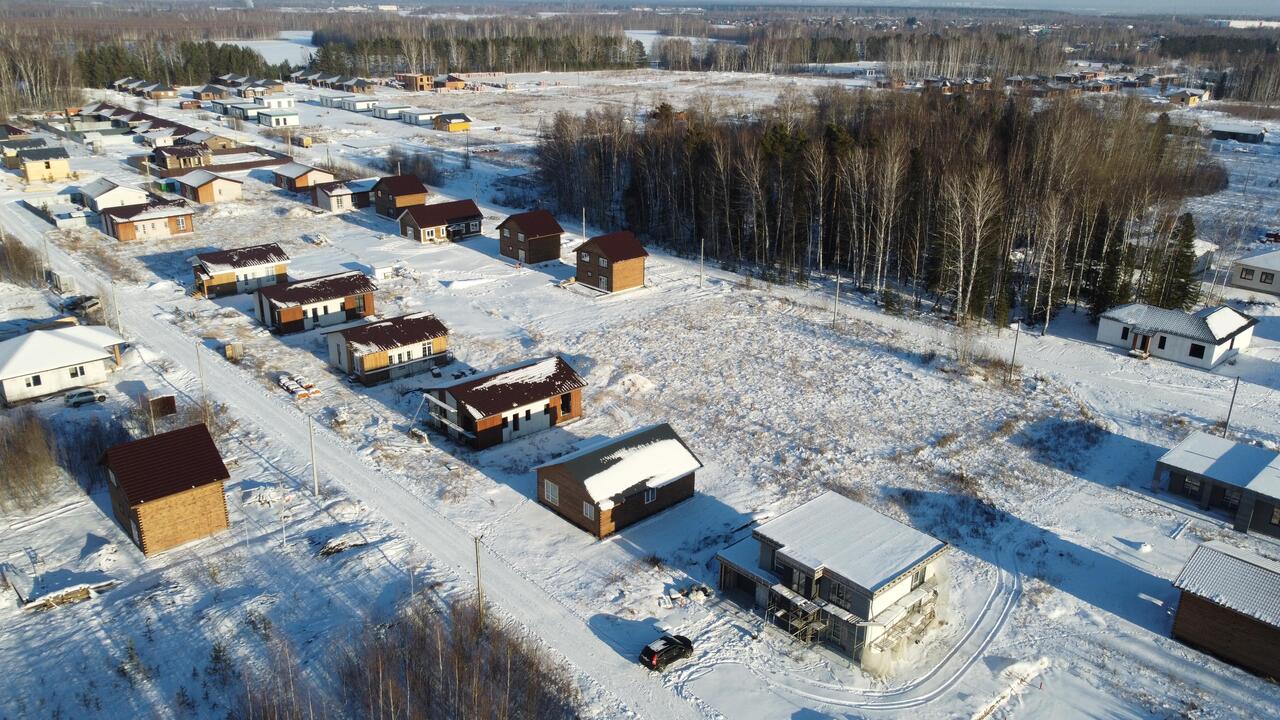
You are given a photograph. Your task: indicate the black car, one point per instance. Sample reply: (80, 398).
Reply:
(665, 650)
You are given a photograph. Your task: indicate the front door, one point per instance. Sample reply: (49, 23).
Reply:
(1144, 343)
(521, 254)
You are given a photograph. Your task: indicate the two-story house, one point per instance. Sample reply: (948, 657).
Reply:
(509, 403)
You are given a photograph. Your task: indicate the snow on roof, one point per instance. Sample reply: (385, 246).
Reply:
(102, 186)
(1211, 325)
(840, 536)
(42, 350)
(318, 289)
(515, 385)
(651, 456)
(1237, 128)
(1228, 462)
(148, 211)
(393, 333)
(293, 170)
(1233, 578)
(1265, 259)
(198, 178)
(220, 261)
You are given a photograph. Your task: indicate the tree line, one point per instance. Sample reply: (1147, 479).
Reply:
(976, 203)
(176, 63)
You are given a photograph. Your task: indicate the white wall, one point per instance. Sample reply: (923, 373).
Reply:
(538, 420)
(1256, 283)
(1176, 348)
(894, 593)
(337, 351)
(117, 197)
(226, 190)
(54, 381)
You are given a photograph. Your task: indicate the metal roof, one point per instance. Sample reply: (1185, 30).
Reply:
(429, 216)
(392, 333)
(500, 390)
(1211, 325)
(237, 258)
(616, 246)
(1233, 578)
(535, 223)
(318, 289)
(42, 350)
(1228, 462)
(651, 457)
(166, 464)
(1265, 259)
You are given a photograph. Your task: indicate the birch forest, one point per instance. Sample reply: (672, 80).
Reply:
(974, 203)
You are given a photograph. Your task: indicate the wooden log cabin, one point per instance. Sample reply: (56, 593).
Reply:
(1228, 607)
(612, 262)
(606, 486)
(239, 270)
(389, 349)
(530, 237)
(508, 403)
(167, 490)
(305, 304)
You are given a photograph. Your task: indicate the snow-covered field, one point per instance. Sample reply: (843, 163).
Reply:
(1053, 609)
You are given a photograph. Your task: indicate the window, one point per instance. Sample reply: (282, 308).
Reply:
(551, 492)
(566, 403)
(1275, 515)
(506, 232)
(841, 595)
(1191, 487)
(1268, 278)
(604, 262)
(520, 237)
(1246, 273)
(1197, 351)
(585, 257)
(650, 494)
(527, 413)
(1160, 342)
(515, 423)
(917, 578)
(182, 223)
(1231, 498)
(1124, 333)
(33, 381)
(77, 371)
(429, 233)
(475, 226)
(588, 510)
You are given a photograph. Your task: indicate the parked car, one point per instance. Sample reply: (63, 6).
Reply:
(74, 302)
(665, 650)
(76, 398)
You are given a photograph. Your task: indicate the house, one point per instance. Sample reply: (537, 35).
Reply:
(167, 490)
(304, 304)
(104, 193)
(333, 100)
(356, 85)
(835, 571)
(1238, 132)
(389, 349)
(296, 177)
(44, 164)
(45, 362)
(11, 148)
(156, 219)
(1187, 97)
(449, 82)
(210, 92)
(177, 157)
(1229, 607)
(278, 118)
(447, 221)
(509, 403)
(418, 116)
(276, 102)
(1238, 481)
(530, 237)
(160, 92)
(452, 122)
(13, 132)
(389, 112)
(414, 82)
(607, 486)
(222, 106)
(1203, 339)
(358, 104)
(205, 187)
(343, 195)
(1257, 271)
(209, 140)
(394, 193)
(239, 270)
(612, 262)
(244, 110)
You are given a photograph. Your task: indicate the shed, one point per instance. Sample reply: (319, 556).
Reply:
(1229, 606)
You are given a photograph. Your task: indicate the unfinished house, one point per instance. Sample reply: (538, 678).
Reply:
(1237, 481)
(506, 404)
(837, 572)
(389, 349)
(1229, 606)
(167, 489)
(239, 270)
(305, 304)
(609, 485)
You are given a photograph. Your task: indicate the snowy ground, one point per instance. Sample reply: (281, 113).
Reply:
(1054, 611)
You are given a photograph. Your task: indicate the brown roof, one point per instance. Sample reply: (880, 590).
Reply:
(393, 332)
(617, 246)
(165, 464)
(319, 289)
(254, 255)
(129, 212)
(183, 151)
(401, 185)
(510, 387)
(535, 223)
(425, 216)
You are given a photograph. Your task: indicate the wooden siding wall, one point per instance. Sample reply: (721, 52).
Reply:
(572, 495)
(634, 509)
(489, 429)
(627, 274)
(1236, 638)
(536, 249)
(181, 518)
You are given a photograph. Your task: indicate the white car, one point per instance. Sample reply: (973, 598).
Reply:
(76, 398)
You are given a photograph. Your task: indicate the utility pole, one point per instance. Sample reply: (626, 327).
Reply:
(116, 307)
(1231, 408)
(479, 589)
(1017, 330)
(702, 254)
(584, 223)
(204, 398)
(311, 436)
(284, 520)
(835, 307)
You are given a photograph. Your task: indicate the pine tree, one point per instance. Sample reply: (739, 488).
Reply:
(1184, 286)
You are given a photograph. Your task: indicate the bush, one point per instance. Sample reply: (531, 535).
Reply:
(20, 264)
(418, 164)
(29, 473)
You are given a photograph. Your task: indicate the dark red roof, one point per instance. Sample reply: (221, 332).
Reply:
(166, 464)
(535, 223)
(617, 246)
(318, 289)
(252, 256)
(524, 384)
(425, 216)
(401, 185)
(394, 332)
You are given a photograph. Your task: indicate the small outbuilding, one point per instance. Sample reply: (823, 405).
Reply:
(609, 485)
(167, 490)
(612, 262)
(1229, 606)
(452, 122)
(104, 193)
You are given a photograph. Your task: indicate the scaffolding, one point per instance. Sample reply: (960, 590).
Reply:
(800, 617)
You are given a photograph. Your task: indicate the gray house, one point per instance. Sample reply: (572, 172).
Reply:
(1240, 482)
(835, 571)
